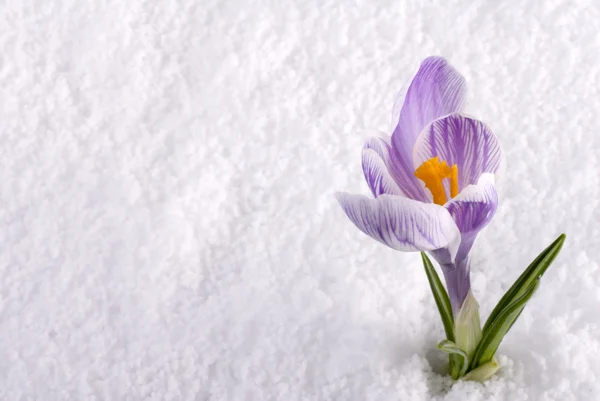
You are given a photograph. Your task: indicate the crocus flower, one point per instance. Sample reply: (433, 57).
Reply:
(433, 181)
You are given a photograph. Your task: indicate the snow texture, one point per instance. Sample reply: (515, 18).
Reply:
(169, 230)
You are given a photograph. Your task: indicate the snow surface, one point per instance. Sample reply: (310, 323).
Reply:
(169, 230)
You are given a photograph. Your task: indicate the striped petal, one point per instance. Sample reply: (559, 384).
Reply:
(472, 209)
(463, 141)
(380, 144)
(401, 223)
(436, 90)
(375, 164)
(377, 175)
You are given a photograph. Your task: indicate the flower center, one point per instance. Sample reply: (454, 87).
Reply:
(432, 173)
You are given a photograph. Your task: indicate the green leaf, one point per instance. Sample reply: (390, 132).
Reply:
(512, 303)
(483, 372)
(467, 329)
(536, 269)
(493, 335)
(441, 297)
(452, 349)
(456, 364)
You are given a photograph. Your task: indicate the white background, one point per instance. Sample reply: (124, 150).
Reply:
(168, 227)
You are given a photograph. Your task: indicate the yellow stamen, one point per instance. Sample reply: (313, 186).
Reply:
(432, 172)
(454, 181)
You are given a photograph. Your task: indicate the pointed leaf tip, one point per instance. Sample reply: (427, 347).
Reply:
(537, 268)
(509, 308)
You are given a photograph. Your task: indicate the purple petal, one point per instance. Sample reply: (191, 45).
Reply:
(375, 164)
(472, 209)
(436, 90)
(458, 282)
(381, 145)
(398, 103)
(460, 140)
(402, 223)
(377, 175)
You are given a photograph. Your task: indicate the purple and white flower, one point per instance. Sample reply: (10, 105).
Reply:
(433, 181)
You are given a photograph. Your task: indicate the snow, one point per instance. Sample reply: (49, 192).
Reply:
(168, 225)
